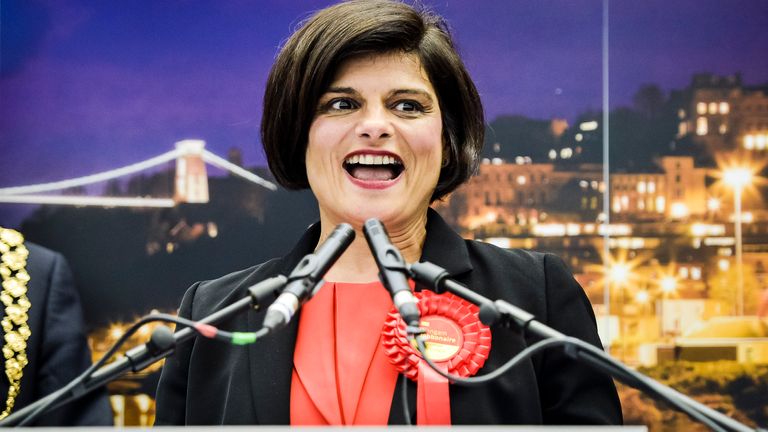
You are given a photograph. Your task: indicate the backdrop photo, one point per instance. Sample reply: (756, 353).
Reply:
(629, 138)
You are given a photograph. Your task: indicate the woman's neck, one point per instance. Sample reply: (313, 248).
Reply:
(357, 265)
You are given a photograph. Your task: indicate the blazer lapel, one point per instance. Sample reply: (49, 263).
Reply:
(271, 364)
(271, 358)
(444, 247)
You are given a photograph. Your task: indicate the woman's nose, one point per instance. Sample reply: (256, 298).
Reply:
(374, 124)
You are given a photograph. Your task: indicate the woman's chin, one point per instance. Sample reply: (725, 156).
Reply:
(387, 214)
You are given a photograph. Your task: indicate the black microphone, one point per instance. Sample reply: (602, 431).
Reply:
(306, 277)
(392, 271)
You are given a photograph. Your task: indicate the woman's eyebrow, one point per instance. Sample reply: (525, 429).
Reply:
(342, 90)
(416, 92)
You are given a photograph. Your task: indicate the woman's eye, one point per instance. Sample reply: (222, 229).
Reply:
(408, 106)
(342, 104)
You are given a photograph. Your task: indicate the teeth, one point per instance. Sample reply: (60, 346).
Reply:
(372, 160)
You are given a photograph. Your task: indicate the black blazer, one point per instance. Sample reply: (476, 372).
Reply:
(57, 349)
(206, 382)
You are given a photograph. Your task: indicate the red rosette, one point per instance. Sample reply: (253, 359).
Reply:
(457, 342)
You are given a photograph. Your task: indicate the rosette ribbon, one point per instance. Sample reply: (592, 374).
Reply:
(456, 341)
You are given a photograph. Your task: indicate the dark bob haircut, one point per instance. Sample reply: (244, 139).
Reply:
(309, 60)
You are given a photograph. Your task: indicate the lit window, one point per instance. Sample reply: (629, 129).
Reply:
(641, 205)
(724, 108)
(651, 187)
(696, 273)
(660, 203)
(749, 142)
(588, 126)
(679, 210)
(642, 296)
(624, 202)
(760, 142)
(616, 206)
(723, 129)
(701, 108)
(713, 204)
(593, 184)
(713, 107)
(681, 114)
(521, 180)
(682, 128)
(723, 264)
(701, 126)
(641, 187)
(683, 272)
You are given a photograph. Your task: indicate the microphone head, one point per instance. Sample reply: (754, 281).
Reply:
(345, 232)
(373, 227)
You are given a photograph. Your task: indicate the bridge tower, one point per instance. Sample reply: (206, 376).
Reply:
(191, 177)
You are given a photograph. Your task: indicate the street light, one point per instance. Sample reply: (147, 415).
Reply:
(618, 275)
(738, 179)
(668, 286)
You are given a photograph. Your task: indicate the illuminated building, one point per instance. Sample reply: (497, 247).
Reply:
(721, 113)
(524, 193)
(677, 191)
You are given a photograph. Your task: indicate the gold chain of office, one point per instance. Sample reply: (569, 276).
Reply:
(14, 297)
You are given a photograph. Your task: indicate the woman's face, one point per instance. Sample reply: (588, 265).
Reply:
(375, 145)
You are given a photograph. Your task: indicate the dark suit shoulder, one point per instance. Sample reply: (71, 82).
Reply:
(41, 253)
(521, 257)
(511, 264)
(209, 296)
(41, 260)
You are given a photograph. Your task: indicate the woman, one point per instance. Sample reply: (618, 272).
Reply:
(369, 105)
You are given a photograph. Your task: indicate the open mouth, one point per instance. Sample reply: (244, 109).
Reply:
(368, 167)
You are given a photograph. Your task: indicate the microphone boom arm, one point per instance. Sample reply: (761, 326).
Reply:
(439, 280)
(136, 359)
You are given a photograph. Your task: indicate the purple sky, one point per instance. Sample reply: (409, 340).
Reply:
(89, 85)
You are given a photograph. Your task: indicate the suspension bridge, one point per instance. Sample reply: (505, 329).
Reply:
(190, 185)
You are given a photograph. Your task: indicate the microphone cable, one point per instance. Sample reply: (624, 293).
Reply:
(416, 335)
(206, 330)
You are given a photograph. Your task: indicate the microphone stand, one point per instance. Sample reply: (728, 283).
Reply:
(492, 311)
(162, 344)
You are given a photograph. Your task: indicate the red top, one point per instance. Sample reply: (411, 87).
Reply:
(341, 375)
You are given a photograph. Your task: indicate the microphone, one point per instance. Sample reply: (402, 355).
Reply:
(392, 271)
(306, 277)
